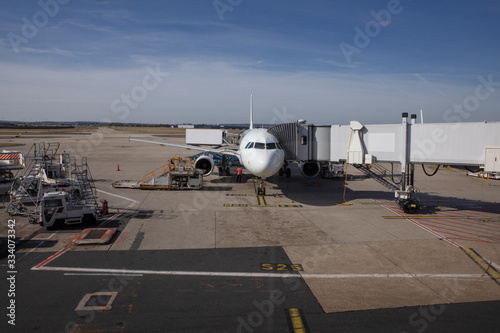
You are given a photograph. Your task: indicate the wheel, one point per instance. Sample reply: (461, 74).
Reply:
(88, 219)
(410, 206)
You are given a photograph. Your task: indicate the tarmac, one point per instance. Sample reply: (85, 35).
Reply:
(306, 257)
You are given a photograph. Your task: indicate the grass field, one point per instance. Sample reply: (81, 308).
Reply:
(17, 132)
(152, 130)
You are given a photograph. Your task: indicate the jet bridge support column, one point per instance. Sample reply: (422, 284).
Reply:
(406, 197)
(404, 149)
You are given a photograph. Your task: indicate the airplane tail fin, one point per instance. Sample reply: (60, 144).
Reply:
(251, 111)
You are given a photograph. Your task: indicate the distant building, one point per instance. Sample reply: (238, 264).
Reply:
(185, 126)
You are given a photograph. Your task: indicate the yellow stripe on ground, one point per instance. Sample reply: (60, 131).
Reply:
(262, 202)
(298, 325)
(488, 269)
(435, 217)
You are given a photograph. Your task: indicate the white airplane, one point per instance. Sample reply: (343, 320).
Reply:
(260, 153)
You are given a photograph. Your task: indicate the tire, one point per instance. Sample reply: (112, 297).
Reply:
(410, 207)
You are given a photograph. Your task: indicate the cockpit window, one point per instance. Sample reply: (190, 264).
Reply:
(271, 145)
(249, 145)
(260, 145)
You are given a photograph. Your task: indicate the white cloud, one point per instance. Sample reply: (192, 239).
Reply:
(218, 92)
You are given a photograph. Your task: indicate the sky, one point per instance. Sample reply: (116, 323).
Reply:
(182, 61)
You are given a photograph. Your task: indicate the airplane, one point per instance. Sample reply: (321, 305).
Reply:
(259, 152)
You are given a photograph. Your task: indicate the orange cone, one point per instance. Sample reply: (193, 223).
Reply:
(118, 167)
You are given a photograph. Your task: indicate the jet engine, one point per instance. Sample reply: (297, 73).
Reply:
(206, 163)
(309, 169)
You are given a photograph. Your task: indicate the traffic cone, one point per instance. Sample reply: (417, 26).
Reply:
(319, 183)
(118, 167)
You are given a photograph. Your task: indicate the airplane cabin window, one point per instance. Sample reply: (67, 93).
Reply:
(260, 145)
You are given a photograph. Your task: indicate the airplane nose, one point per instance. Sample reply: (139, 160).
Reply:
(266, 166)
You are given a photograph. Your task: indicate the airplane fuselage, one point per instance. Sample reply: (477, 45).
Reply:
(260, 153)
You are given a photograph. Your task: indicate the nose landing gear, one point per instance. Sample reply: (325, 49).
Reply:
(260, 189)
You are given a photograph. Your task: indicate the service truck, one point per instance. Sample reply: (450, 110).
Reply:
(57, 208)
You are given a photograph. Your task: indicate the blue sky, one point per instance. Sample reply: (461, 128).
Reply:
(198, 61)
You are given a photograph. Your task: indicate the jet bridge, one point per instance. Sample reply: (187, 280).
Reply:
(465, 144)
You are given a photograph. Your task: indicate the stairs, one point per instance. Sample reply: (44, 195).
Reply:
(26, 189)
(381, 176)
(82, 176)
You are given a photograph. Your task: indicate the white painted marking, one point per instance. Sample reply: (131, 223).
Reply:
(491, 263)
(46, 237)
(253, 274)
(116, 195)
(33, 249)
(99, 274)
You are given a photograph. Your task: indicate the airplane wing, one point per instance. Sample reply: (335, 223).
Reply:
(225, 152)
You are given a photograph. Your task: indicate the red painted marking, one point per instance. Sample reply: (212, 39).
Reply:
(463, 237)
(118, 214)
(49, 259)
(41, 265)
(449, 231)
(9, 156)
(449, 241)
(459, 229)
(473, 224)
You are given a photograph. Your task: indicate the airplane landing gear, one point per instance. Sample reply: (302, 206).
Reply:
(224, 168)
(261, 187)
(285, 170)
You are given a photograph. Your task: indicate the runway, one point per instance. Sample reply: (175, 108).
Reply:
(226, 260)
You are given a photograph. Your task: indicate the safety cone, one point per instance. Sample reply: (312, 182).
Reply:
(319, 183)
(118, 167)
